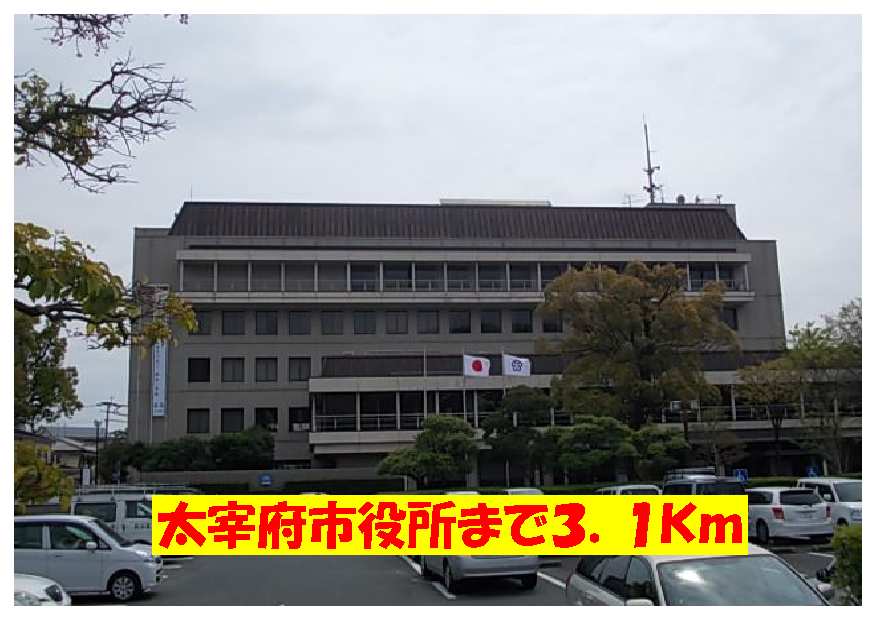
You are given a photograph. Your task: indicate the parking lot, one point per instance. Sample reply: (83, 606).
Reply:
(349, 580)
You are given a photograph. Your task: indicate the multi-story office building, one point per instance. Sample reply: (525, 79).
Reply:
(340, 326)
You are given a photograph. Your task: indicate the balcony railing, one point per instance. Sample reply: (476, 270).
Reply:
(730, 285)
(332, 286)
(378, 422)
(523, 285)
(492, 285)
(397, 285)
(367, 286)
(430, 285)
(335, 423)
(460, 285)
(299, 286)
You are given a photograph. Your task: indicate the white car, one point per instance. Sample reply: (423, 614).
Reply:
(787, 512)
(84, 555)
(759, 578)
(33, 590)
(524, 491)
(629, 489)
(129, 514)
(843, 495)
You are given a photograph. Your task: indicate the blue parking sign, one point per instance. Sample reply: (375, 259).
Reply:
(741, 475)
(811, 471)
(266, 480)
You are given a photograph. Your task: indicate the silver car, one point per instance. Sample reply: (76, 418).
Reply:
(759, 578)
(453, 569)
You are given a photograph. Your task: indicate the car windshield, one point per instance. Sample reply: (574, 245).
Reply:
(798, 498)
(848, 491)
(640, 492)
(106, 529)
(740, 580)
(722, 488)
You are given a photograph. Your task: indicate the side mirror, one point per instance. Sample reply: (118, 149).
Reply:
(639, 602)
(91, 546)
(826, 590)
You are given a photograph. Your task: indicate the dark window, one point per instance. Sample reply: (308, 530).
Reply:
(590, 566)
(199, 369)
(396, 322)
(70, 536)
(759, 498)
(138, 509)
(459, 321)
(233, 322)
(677, 489)
(28, 535)
(521, 321)
(427, 322)
(299, 368)
(491, 321)
(266, 323)
(233, 277)
(489, 401)
(265, 276)
(105, 511)
(232, 369)
(640, 583)
(299, 419)
(266, 369)
(730, 487)
(450, 401)
(552, 323)
(614, 574)
(266, 418)
(198, 276)
(198, 421)
(232, 420)
(364, 322)
(729, 317)
(299, 323)
(802, 497)
(332, 323)
(202, 317)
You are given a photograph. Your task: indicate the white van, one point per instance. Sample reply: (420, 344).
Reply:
(843, 495)
(126, 509)
(629, 489)
(84, 556)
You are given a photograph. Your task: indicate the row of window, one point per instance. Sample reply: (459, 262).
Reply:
(234, 369)
(231, 420)
(396, 322)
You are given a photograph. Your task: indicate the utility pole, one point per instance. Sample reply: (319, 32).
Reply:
(112, 408)
(651, 188)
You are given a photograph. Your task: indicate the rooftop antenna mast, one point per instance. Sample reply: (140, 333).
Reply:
(651, 188)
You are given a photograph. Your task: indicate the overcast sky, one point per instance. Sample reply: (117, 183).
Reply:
(764, 110)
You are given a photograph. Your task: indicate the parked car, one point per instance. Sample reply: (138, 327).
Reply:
(787, 512)
(759, 578)
(629, 489)
(703, 484)
(523, 491)
(85, 556)
(33, 590)
(129, 514)
(454, 569)
(842, 494)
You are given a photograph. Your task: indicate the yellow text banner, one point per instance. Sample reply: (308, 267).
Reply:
(449, 525)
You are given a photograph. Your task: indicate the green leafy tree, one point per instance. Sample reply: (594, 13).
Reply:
(595, 443)
(251, 449)
(511, 432)
(44, 388)
(635, 340)
(37, 481)
(658, 450)
(444, 451)
(58, 283)
(119, 456)
(716, 444)
(88, 132)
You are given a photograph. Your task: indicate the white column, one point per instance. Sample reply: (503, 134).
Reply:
(413, 276)
(181, 272)
(477, 277)
(315, 276)
(687, 267)
(282, 277)
(733, 403)
(380, 276)
(445, 277)
(398, 411)
(802, 405)
(215, 276)
(745, 273)
(349, 287)
(358, 413)
(248, 276)
(507, 276)
(538, 286)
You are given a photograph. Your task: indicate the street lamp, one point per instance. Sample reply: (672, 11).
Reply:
(96, 451)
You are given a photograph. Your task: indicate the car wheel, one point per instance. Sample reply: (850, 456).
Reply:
(842, 523)
(763, 533)
(124, 586)
(528, 582)
(450, 583)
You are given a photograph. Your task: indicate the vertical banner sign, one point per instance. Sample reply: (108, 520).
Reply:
(159, 380)
(159, 359)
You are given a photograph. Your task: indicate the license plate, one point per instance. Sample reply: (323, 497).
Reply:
(807, 515)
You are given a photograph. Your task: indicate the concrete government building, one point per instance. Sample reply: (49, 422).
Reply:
(341, 326)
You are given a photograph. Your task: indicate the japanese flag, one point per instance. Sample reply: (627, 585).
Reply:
(475, 366)
(516, 366)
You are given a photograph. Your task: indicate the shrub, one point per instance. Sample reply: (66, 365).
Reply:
(848, 577)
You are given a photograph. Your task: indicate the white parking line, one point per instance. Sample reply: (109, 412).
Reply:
(443, 591)
(171, 567)
(822, 555)
(553, 580)
(414, 566)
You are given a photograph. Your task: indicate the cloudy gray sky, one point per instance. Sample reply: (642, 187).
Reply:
(764, 110)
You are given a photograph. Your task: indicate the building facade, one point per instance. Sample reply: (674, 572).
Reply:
(341, 326)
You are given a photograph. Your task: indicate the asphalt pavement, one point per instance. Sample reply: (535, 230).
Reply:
(359, 580)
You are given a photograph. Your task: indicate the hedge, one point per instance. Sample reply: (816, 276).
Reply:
(848, 576)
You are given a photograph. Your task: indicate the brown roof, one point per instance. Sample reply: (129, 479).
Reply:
(410, 221)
